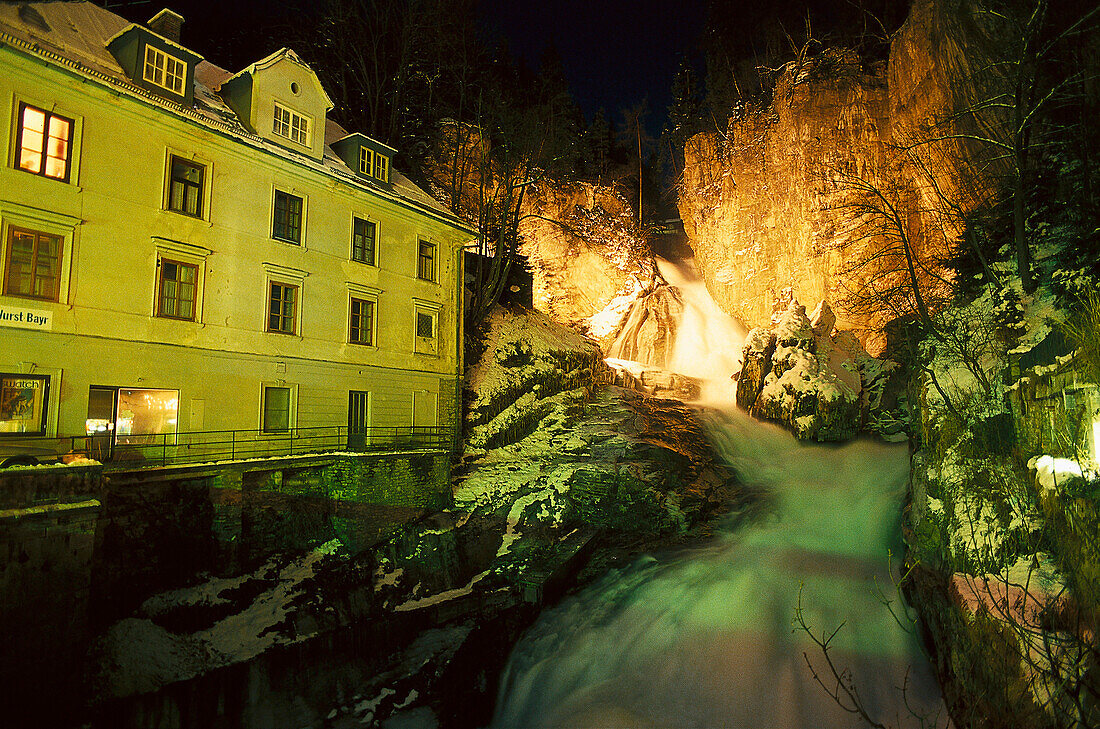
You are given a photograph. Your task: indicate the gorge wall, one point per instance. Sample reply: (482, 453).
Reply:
(776, 208)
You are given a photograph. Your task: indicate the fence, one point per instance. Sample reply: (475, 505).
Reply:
(166, 449)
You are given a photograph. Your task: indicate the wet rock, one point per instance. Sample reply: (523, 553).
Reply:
(756, 363)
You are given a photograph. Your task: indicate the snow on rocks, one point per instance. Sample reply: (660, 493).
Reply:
(801, 374)
(1050, 472)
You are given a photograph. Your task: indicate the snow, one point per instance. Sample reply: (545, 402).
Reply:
(610, 318)
(142, 656)
(1050, 471)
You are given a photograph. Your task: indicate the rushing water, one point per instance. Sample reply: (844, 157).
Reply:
(706, 637)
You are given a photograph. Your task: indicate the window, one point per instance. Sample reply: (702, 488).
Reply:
(164, 71)
(362, 322)
(363, 236)
(185, 187)
(366, 161)
(291, 125)
(425, 325)
(425, 261)
(176, 299)
(288, 217)
(33, 268)
(45, 143)
(276, 409)
(282, 310)
(382, 167)
(23, 404)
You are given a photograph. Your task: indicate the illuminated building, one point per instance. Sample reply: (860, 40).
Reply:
(188, 249)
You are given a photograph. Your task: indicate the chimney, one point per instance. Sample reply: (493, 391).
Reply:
(166, 23)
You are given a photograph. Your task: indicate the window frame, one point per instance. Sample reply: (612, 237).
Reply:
(382, 167)
(59, 277)
(291, 411)
(373, 260)
(200, 214)
(275, 217)
(162, 263)
(168, 60)
(366, 160)
(296, 312)
(433, 271)
(45, 398)
(373, 328)
(70, 142)
(296, 125)
(426, 345)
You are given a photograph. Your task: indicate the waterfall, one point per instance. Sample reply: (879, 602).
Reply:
(705, 637)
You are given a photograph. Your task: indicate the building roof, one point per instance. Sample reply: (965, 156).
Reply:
(74, 35)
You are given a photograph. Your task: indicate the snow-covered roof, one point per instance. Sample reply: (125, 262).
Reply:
(74, 35)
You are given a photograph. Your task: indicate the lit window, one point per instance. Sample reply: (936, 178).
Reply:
(362, 321)
(382, 167)
(282, 309)
(45, 143)
(425, 261)
(276, 415)
(23, 401)
(288, 217)
(362, 241)
(185, 187)
(33, 268)
(366, 161)
(176, 298)
(291, 125)
(163, 70)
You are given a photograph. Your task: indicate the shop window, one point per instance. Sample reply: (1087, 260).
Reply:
(363, 237)
(23, 403)
(185, 188)
(276, 409)
(45, 143)
(33, 266)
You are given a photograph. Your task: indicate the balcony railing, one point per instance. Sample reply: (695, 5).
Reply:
(167, 449)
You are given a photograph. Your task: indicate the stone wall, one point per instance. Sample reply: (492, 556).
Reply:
(80, 549)
(47, 530)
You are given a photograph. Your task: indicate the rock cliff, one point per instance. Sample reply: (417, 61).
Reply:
(776, 207)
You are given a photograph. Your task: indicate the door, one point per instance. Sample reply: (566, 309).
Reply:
(359, 419)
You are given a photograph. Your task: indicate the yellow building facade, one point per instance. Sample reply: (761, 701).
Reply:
(187, 249)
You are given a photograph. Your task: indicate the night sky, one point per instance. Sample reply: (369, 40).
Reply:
(615, 52)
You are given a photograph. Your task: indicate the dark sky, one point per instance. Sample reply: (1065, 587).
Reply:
(614, 52)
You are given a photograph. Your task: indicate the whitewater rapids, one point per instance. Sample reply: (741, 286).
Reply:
(706, 637)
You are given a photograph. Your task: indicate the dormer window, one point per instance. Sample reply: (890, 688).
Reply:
(291, 125)
(374, 164)
(163, 70)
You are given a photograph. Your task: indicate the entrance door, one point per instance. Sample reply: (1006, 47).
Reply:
(359, 419)
(100, 425)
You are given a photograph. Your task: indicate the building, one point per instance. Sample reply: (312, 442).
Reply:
(187, 249)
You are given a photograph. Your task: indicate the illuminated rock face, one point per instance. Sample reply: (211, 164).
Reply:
(768, 207)
(583, 250)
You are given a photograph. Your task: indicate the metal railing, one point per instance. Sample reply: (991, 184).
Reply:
(166, 449)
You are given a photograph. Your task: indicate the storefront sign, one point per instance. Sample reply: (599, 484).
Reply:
(24, 318)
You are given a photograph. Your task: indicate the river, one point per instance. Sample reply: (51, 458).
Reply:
(707, 637)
